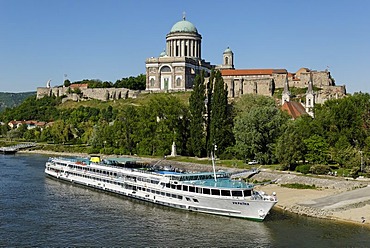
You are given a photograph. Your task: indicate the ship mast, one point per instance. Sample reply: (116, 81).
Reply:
(213, 161)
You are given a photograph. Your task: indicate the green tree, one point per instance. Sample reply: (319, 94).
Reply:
(220, 123)
(256, 131)
(67, 83)
(197, 122)
(317, 149)
(290, 148)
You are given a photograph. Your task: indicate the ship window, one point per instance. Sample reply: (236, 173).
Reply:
(168, 194)
(173, 186)
(167, 185)
(225, 192)
(185, 188)
(215, 191)
(187, 198)
(195, 200)
(191, 189)
(237, 193)
(199, 190)
(174, 196)
(178, 187)
(206, 191)
(180, 197)
(247, 193)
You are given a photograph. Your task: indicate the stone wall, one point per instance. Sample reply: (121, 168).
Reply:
(103, 94)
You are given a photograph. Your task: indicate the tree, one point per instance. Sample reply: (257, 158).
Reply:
(133, 83)
(197, 122)
(317, 149)
(67, 83)
(290, 148)
(220, 123)
(256, 131)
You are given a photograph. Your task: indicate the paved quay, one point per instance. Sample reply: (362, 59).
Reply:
(340, 201)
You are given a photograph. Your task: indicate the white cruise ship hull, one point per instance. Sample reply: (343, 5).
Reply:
(151, 188)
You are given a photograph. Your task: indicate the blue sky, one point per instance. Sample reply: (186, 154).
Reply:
(110, 39)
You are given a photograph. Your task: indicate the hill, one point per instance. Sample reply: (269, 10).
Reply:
(10, 100)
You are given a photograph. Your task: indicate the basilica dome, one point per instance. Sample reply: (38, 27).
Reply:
(184, 26)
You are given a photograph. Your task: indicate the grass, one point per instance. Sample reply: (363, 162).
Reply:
(298, 186)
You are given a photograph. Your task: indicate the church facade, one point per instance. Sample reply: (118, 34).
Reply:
(177, 66)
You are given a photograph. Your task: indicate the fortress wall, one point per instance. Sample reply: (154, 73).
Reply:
(43, 91)
(279, 80)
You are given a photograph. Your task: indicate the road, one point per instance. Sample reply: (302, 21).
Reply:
(341, 200)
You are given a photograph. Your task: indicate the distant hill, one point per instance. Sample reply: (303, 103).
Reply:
(10, 100)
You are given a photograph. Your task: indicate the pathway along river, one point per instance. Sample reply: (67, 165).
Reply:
(39, 211)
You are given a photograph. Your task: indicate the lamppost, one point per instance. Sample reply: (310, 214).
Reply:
(362, 161)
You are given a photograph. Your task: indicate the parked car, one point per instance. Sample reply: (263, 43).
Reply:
(252, 162)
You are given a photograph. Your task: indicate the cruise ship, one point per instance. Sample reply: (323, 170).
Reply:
(208, 192)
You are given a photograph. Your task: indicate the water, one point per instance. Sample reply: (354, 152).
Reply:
(39, 211)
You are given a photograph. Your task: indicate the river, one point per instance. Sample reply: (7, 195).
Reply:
(36, 210)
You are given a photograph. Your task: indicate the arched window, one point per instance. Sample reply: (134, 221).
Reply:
(152, 82)
(178, 82)
(165, 69)
(226, 60)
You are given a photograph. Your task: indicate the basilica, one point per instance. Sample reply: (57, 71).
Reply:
(177, 66)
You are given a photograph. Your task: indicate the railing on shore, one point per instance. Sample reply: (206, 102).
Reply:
(15, 148)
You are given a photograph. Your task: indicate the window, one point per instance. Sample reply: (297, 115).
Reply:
(178, 82)
(215, 191)
(152, 82)
(206, 191)
(225, 192)
(191, 189)
(237, 193)
(165, 69)
(247, 193)
(185, 188)
(226, 60)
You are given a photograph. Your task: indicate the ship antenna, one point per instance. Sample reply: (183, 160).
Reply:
(213, 161)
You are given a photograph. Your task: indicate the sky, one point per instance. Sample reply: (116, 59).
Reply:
(43, 40)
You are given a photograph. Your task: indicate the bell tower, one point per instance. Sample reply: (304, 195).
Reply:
(228, 59)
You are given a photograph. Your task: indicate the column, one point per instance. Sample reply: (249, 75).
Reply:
(191, 48)
(182, 48)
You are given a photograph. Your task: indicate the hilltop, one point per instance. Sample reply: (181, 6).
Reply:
(11, 100)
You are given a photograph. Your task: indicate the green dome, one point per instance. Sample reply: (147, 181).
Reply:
(184, 26)
(162, 54)
(228, 50)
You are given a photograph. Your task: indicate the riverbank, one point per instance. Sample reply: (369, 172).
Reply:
(333, 198)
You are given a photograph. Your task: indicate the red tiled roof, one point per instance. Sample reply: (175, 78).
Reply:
(294, 109)
(242, 72)
(78, 85)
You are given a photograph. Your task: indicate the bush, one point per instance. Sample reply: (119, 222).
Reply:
(319, 169)
(304, 169)
(298, 186)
